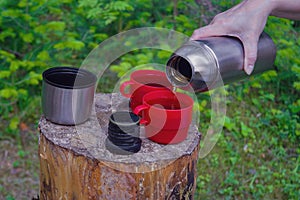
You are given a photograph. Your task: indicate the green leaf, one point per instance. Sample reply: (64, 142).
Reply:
(94, 12)
(27, 17)
(286, 42)
(5, 74)
(144, 58)
(40, 29)
(12, 13)
(110, 19)
(5, 54)
(56, 26)
(121, 6)
(256, 85)
(8, 93)
(164, 54)
(73, 44)
(21, 153)
(14, 66)
(88, 3)
(34, 78)
(269, 75)
(72, 35)
(100, 36)
(66, 1)
(43, 56)
(51, 26)
(9, 197)
(9, 32)
(121, 69)
(16, 164)
(298, 129)
(23, 92)
(296, 85)
(28, 37)
(202, 104)
(33, 81)
(28, 65)
(229, 125)
(296, 69)
(267, 97)
(4, 3)
(245, 130)
(23, 3)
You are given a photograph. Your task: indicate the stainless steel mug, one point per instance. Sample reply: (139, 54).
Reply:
(68, 95)
(202, 63)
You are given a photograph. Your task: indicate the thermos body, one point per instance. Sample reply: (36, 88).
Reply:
(202, 63)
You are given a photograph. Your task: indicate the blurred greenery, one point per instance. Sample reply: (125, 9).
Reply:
(257, 156)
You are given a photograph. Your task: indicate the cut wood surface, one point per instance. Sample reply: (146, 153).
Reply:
(74, 163)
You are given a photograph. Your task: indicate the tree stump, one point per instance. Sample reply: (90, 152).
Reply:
(74, 163)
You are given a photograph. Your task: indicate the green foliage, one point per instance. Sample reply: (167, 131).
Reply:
(257, 156)
(9, 197)
(108, 11)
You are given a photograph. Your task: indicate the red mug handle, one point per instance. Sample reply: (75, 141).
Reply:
(138, 110)
(123, 86)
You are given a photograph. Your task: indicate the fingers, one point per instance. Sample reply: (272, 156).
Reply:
(206, 31)
(250, 50)
(249, 41)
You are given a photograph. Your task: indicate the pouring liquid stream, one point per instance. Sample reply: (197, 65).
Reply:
(174, 89)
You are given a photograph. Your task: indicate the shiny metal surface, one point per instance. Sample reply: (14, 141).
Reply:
(197, 63)
(65, 103)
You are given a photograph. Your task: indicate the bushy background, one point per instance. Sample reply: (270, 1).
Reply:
(257, 156)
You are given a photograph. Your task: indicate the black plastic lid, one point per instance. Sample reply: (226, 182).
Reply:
(124, 119)
(123, 133)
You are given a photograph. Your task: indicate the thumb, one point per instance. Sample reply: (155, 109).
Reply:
(250, 50)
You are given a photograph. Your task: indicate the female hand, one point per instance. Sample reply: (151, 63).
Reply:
(246, 21)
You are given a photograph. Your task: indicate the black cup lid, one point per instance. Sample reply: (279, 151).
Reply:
(123, 150)
(124, 119)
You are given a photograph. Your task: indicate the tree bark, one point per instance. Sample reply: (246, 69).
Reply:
(74, 163)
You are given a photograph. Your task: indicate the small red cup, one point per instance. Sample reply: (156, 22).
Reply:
(166, 116)
(142, 82)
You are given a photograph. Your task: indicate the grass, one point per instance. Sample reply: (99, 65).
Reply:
(257, 156)
(19, 167)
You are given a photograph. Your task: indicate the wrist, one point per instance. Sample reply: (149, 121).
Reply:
(275, 5)
(286, 8)
(261, 7)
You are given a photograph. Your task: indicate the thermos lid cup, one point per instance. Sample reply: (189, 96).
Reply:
(69, 77)
(68, 95)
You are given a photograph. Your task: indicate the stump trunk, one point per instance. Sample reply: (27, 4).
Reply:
(74, 163)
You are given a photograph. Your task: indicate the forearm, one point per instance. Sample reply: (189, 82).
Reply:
(287, 9)
(280, 8)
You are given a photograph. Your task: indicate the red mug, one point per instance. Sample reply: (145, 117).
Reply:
(142, 82)
(166, 116)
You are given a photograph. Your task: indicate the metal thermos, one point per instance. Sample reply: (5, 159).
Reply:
(201, 64)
